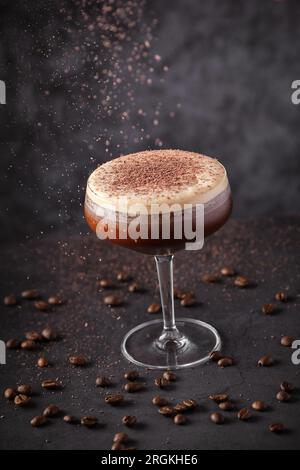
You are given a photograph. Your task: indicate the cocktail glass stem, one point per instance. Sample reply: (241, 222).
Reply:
(170, 336)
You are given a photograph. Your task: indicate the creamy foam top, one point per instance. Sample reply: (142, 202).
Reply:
(157, 177)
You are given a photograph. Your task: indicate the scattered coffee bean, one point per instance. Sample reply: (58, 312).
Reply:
(117, 446)
(268, 309)
(166, 410)
(178, 294)
(120, 437)
(219, 397)
(103, 382)
(134, 287)
(70, 419)
(276, 427)
(153, 308)
(105, 283)
(210, 278)
(244, 414)
(21, 400)
(286, 387)
(49, 334)
(41, 305)
(217, 418)
(112, 300)
(10, 300)
(187, 301)
(51, 410)
(131, 375)
(9, 393)
(190, 404)
(227, 271)
(287, 341)
(13, 344)
(132, 387)
(123, 276)
(215, 356)
(179, 419)
(241, 281)
(161, 382)
(38, 421)
(159, 401)
(129, 421)
(55, 300)
(50, 384)
(33, 336)
(78, 360)
(114, 399)
(30, 294)
(225, 406)
(180, 407)
(24, 389)
(42, 362)
(265, 361)
(283, 396)
(258, 405)
(281, 296)
(169, 376)
(28, 345)
(88, 421)
(225, 362)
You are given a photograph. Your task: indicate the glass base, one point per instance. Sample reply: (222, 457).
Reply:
(146, 346)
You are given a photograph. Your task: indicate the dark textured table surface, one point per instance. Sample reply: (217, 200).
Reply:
(266, 251)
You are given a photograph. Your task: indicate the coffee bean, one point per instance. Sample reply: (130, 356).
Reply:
(210, 278)
(49, 334)
(131, 375)
(51, 410)
(41, 305)
(114, 399)
(51, 384)
(178, 294)
(159, 401)
(123, 276)
(283, 396)
(219, 397)
(215, 356)
(33, 336)
(187, 301)
(78, 360)
(105, 283)
(70, 419)
(227, 271)
(244, 414)
(241, 281)
(134, 287)
(12, 344)
(153, 308)
(21, 400)
(129, 421)
(117, 446)
(276, 427)
(28, 345)
(281, 296)
(9, 393)
(265, 361)
(217, 418)
(42, 362)
(120, 437)
(38, 421)
(225, 362)
(225, 406)
(258, 405)
(161, 382)
(190, 404)
(24, 389)
(30, 294)
(287, 341)
(132, 387)
(169, 376)
(112, 300)
(179, 419)
(88, 421)
(10, 300)
(166, 410)
(268, 309)
(55, 300)
(103, 382)
(180, 407)
(286, 387)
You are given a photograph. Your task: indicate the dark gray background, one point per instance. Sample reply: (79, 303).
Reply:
(227, 94)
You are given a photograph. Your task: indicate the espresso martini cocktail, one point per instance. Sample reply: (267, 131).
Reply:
(158, 202)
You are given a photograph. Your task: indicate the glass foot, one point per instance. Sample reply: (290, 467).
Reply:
(198, 340)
